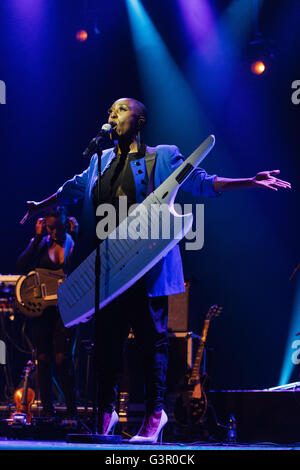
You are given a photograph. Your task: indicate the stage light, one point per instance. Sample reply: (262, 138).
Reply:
(200, 22)
(291, 356)
(258, 67)
(165, 89)
(96, 29)
(81, 35)
(261, 54)
(218, 44)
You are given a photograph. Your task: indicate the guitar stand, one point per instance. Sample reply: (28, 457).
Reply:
(88, 346)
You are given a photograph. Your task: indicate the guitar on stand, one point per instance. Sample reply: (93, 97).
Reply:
(23, 398)
(191, 405)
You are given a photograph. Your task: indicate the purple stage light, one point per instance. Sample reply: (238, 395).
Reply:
(200, 21)
(29, 19)
(29, 9)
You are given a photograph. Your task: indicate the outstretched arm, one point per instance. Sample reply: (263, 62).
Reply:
(71, 191)
(35, 208)
(264, 179)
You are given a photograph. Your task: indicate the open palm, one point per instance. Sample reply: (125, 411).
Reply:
(267, 179)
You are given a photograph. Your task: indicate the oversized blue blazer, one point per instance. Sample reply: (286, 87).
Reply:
(166, 277)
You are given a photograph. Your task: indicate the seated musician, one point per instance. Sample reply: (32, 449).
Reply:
(53, 341)
(144, 305)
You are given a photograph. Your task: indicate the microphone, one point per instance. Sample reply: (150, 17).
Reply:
(106, 129)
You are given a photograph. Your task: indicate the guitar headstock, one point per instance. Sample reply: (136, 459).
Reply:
(214, 311)
(28, 369)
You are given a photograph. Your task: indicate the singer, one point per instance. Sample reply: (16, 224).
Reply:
(144, 306)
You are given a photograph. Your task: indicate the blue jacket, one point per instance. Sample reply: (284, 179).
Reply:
(166, 277)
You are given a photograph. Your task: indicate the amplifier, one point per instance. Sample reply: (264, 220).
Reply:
(7, 292)
(9, 279)
(181, 345)
(180, 358)
(178, 310)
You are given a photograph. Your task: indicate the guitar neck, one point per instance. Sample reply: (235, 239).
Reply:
(198, 358)
(24, 391)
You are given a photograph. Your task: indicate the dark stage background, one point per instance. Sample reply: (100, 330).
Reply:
(57, 94)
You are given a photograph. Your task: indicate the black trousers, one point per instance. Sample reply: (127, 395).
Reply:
(148, 318)
(54, 344)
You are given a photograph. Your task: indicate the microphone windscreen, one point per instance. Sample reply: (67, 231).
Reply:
(106, 128)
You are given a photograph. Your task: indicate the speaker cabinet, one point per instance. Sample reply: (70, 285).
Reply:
(178, 306)
(180, 359)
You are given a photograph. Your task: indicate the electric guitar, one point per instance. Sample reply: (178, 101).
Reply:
(37, 290)
(191, 405)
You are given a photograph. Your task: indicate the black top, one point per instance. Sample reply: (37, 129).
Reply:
(118, 180)
(36, 255)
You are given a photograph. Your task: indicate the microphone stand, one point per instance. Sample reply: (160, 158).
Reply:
(96, 146)
(97, 299)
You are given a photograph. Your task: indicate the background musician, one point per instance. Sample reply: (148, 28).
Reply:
(51, 248)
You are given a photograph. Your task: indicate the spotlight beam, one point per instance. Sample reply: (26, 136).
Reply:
(173, 108)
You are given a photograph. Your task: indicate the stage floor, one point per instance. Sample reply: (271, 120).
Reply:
(29, 445)
(256, 434)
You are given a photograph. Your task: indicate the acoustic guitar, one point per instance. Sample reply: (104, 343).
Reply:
(191, 405)
(37, 290)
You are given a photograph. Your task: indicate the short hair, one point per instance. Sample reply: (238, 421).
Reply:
(142, 109)
(59, 211)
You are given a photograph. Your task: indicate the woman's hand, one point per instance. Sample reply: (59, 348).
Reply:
(40, 226)
(266, 179)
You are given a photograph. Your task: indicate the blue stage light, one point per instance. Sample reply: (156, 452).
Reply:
(173, 108)
(291, 357)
